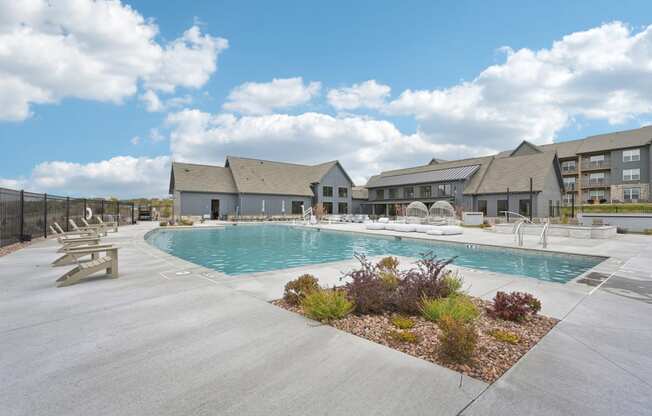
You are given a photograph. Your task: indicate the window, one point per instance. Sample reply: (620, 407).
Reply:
(296, 207)
(596, 158)
(425, 191)
(569, 184)
(393, 193)
(408, 193)
(631, 174)
(631, 194)
(631, 155)
(343, 192)
(342, 208)
(327, 191)
(444, 189)
(568, 199)
(482, 206)
(569, 166)
(380, 194)
(598, 194)
(328, 207)
(553, 208)
(501, 206)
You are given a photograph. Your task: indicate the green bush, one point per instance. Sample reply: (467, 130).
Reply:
(402, 322)
(504, 336)
(186, 222)
(297, 289)
(389, 264)
(327, 304)
(458, 307)
(452, 283)
(458, 339)
(404, 336)
(163, 223)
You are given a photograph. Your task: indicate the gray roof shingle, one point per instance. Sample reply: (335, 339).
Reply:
(201, 178)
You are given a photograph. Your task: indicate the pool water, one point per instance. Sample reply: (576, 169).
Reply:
(241, 249)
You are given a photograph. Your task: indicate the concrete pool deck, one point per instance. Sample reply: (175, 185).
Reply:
(173, 338)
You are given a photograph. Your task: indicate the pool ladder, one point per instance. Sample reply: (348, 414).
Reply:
(519, 232)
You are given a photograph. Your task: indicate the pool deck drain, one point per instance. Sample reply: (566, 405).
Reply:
(194, 344)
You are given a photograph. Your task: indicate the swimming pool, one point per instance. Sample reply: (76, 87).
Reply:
(241, 249)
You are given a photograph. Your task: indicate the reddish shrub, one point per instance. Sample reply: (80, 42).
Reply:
(369, 291)
(514, 306)
(426, 280)
(458, 339)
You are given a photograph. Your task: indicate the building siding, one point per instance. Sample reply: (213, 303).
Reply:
(336, 178)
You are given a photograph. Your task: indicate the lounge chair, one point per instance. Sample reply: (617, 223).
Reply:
(79, 233)
(75, 242)
(99, 230)
(101, 227)
(77, 253)
(109, 224)
(108, 262)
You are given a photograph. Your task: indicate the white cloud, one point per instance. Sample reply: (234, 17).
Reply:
(155, 135)
(153, 104)
(368, 94)
(265, 97)
(94, 50)
(364, 145)
(595, 74)
(121, 176)
(135, 140)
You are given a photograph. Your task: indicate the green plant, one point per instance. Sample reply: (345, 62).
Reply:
(327, 304)
(388, 263)
(514, 306)
(458, 307)
(424, 280)
(458, 339)
(404, 336)
(163, 223)
(504, 336)
(186, 222)
(297, 289)
(451, 283)
(402, 322)
(647, 231)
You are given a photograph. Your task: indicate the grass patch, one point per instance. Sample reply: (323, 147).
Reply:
(504, 336)
(402, 322)
(457, 307)
(326, 305)
(404, 336)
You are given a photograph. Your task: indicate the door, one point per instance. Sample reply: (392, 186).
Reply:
(524, 207)
(215, 209)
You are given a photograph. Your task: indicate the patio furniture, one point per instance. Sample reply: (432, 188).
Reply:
(110, 224)
(108, 262)
(75, 254)
(375, 226)
(75, 242)
(100, 227)
(79, 233)
(75, 227)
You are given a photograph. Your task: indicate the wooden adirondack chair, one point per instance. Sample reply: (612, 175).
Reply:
(108, 263)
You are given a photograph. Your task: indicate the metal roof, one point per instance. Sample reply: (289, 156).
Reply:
(440, 175)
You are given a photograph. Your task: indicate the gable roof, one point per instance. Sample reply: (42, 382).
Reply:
(525, 148)
(201, 178)
(433, 175)
(514, 173)
(602, 142)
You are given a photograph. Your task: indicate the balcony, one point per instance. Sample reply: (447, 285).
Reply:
(596, 165)
(570, 186)
(595, 183)
(569, 170)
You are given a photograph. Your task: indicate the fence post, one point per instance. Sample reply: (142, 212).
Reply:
(85, 208)
(45, 215)
(102, 207)
(67, 213)
(22, 214)
(117, 211)
(132, 213)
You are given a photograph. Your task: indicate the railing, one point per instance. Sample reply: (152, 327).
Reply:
(595, 183)
(306, 213)
(28, 215)
(516, 214)
(569, 169)
(543, 239)
(570, 186)
(518, 233)
(597, 164)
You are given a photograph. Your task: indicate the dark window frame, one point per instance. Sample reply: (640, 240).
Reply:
(325, 193)
(346, 207)
(341, 194)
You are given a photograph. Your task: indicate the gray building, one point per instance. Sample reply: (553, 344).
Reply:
(612, 167)
(527, 180)
(246, 186)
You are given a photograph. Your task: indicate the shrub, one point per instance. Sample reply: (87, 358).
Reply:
(186, 222)
(163, 224)
(297, 289)
(458, 307)
(504, 336)
(451, 283)
(402, 322)
(457, 340)
(423, 281)
(389, 264)
(326, 305)
(370, 292)
(404, 336)
(514, 306)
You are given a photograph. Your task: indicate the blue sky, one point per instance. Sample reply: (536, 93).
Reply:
(439, 49)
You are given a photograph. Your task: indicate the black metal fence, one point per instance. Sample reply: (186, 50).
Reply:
(27, 215)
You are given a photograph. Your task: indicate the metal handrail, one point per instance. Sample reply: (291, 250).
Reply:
(543, 239)
(518, 234)
(523, 217)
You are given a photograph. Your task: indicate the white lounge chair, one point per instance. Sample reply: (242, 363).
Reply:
(108, 262)
(76, 254)
(61, 232)
(99, 230)
(109, 224)
(383, 220)
(67, 243)
(446, 230)
(374, 226)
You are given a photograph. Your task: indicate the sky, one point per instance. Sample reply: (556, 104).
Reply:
(97, 98)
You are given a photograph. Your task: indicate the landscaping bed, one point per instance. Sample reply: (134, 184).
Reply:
(481, 339)
(12, 247)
